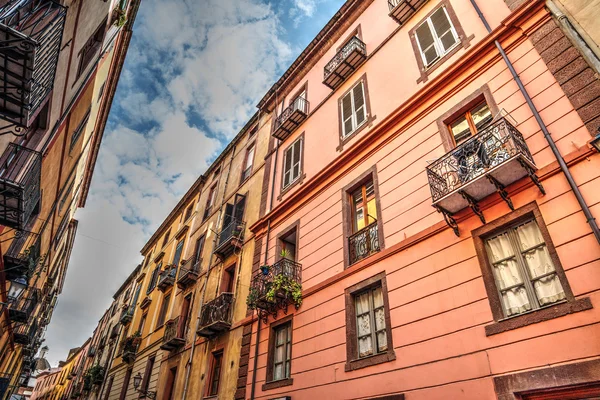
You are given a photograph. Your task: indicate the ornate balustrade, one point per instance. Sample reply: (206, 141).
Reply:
(345, 62)
(231, 238)
(216, 315)
(291, 118)
(173, 337)
(364, 243)
(402, 10)
(167, 277)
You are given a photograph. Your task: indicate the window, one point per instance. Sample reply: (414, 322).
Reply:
(79, 130)
(168, 393)
(247, 169)
(90, 48)
(369, 336)
(280, 352)
(178, 250)
(147, 374)
(364, 206)
(436, 36)
(164, 307)
(198, 252)
(166, 239)
(154, 278)
(66, 194)
(522, 272)
(292, 163)
(215, 374)
(210, 201)
(228, 280)
(125, 384)
(142, 323)
(470, 122)
(217, 172)
(188, 212)
(287, 242)
(353, 109)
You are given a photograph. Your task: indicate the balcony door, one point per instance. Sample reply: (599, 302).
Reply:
(288, 245)
(468, 123)
(235, 210)
(364, 207)
(228, 280)
(185, 311)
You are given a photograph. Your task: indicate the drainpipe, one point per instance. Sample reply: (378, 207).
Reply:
(561, 162)
(205, 285)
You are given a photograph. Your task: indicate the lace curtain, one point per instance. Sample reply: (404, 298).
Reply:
(371, 300)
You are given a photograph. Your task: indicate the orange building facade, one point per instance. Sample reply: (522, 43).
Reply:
(431, 185)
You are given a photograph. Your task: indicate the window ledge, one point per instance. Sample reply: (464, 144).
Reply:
(277, 384)
(544, 314)
(371, 360)
(289, 187)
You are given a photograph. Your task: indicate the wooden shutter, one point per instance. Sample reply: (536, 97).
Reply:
(239, 207)
(346, 105)
(359, 103)
(443, 29)
(287, 168)
(297, 149)
(426, 43)
(228, 215)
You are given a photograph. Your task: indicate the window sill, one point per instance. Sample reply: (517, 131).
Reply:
(297, 182)
(541, 315)
(277, 384)
(354, 133)
(369, 361)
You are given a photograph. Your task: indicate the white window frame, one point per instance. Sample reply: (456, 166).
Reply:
(290, 150)
(355, 125)
(437, 43)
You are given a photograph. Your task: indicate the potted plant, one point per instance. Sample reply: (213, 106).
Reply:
(130, 346)
(96, 374)
(285, 287)
(120, 17)
(252, 299)
(264, 269)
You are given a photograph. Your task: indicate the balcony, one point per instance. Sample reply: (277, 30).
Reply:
(485, 164)
(114, 332)
(24, 334)
(364, 243)
(402, 10)
(20, 310)
(345, 62)
(130, 347)
(167, 277)
(91, 351)
(291, 118)
(20, 172)
(22, 256)
(127, 315)
(5, 384)
(31, 32)
(174, 336)
(189, 273)
(231, 238)
(216, 315)
(275, 287)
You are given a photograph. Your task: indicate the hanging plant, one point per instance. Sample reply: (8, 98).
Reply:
(120, 16)
(286, 287)
(87, 382)
(131, 343)
(96, 374)
(252, 299)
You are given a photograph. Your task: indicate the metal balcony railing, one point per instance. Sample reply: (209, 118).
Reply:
(30, 39)
(216, 315)
(345, 62)
(20, 310)
(20, 174)
(291, 118)
(127, 315)
(174, 334)
(484, 164)
(402, 10)
(364, 243)
(23, 255)
(231, 237)
(24, 334)
(189, 273)
(167, 277)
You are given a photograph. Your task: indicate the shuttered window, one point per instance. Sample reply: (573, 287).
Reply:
(354, 109)
(436, 36)
(292, 163)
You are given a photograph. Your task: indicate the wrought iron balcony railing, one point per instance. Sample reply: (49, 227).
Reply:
(364, 243)
(20, 174)
(91, 351)
(30, 39)
(20, 310)
(127, 315)
(265, 294)
(24, 334)
(484, 164)
(291, 118)
(167, 277)
(345, 62)
(174, 336)
(23, 255)
(216, 315)
(130, 347)
(189, 273)
(231, 238)
(402, 10)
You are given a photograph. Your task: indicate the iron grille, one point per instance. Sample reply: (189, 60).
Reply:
(20, 174)
(345, 62)
(364, 243)
(218, 310)
(23, 255)
(402, 10)
(30, 39)
(173, 331)
(261, 282)
(235, 230)
(490, 148)
(291, 118)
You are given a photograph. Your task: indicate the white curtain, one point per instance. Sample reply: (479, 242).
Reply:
(507, 274)
(548, 289)
(363, 323)
(380, 320)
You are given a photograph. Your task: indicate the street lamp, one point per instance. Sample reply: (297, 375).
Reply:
(137, 380)
(17, 287)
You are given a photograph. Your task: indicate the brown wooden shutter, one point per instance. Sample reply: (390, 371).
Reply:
(427, 43)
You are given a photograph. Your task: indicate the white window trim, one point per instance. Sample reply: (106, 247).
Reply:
(437, 43)
(353, 115)
(291, 147)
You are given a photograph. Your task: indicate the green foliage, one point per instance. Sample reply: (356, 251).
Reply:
(95, 375)
(120, 17)
(132, 342)
(286, 286)
(252, 298)
(285, 253)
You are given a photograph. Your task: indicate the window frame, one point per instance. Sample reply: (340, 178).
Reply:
(154, 278)
(343, 139)
(463, 41)
(163, 311)
(91, 47)
(79, 129)
(209, 388)
(347, 210)
(210, 201)
(301, 175)
(243, 176)
(437, 43)
(502, 323)
(353, 362)
(269, 382)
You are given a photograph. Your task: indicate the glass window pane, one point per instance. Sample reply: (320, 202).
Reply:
(549, 290)
(516, 301)
(378, 297)
(382, 341)
(365, 347)
(460, 130)
(278, 372)
(364, 325)
(372, 211)
(481, 115)
(280, 336)
(529, 235)
(362, 303)
(379, 319)
(279, 354)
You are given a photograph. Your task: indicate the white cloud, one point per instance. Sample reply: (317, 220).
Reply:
(307, 7)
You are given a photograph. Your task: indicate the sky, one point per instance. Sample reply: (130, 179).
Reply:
(193, 75)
